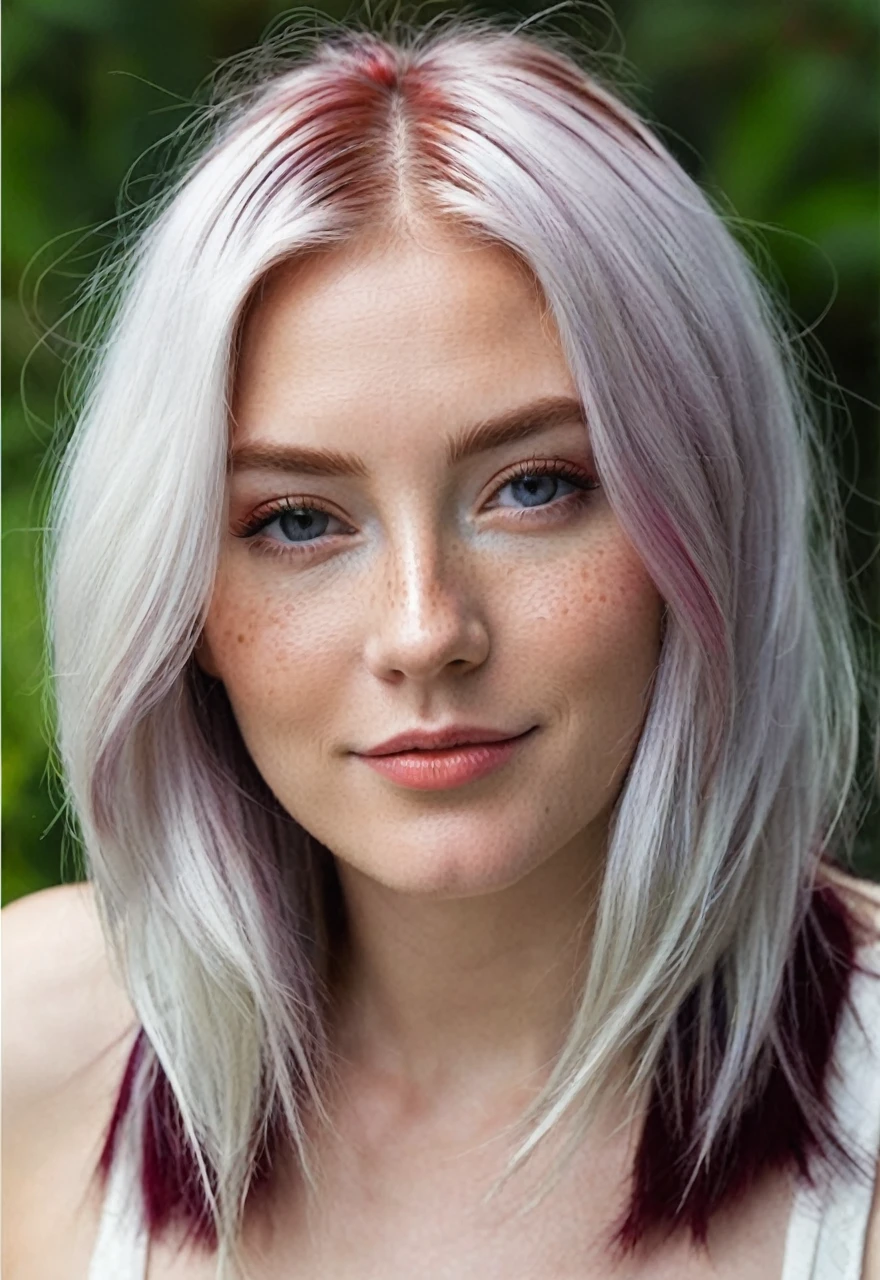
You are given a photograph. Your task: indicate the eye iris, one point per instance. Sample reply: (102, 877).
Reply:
(530, 483)
(304, 524)
(301, 520)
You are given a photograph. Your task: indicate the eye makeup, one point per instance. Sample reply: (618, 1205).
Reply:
(254, 527)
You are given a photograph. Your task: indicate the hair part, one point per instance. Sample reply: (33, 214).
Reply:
(718, 952)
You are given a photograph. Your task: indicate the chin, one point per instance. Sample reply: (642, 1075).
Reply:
(442, 873)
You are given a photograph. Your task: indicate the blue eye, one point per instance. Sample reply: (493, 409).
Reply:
(304, 523)
(297, 523)
(537, 488)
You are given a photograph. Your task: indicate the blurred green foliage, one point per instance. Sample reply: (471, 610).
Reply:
(773, 106)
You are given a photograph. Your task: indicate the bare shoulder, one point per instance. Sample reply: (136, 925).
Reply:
(68, 1028)
(61, 1003)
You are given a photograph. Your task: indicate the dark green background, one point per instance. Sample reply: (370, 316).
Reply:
(773, 104)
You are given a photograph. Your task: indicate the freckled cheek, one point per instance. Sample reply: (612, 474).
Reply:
(234, 631)
(598, 652)
(268, 653)
(601, 609)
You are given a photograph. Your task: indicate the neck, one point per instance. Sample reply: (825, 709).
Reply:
(454, 994)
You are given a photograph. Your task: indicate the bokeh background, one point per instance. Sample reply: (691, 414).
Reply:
(771, 104)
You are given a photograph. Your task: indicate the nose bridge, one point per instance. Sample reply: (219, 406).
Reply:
(424, 571)
(426, 616)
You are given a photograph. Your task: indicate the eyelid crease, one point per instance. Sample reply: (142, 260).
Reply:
(585, 482)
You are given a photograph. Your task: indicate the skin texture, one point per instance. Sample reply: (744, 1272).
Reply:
(428, 602)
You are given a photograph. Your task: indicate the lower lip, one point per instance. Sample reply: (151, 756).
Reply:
(451, 767)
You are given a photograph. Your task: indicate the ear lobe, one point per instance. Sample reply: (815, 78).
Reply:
(205, 658)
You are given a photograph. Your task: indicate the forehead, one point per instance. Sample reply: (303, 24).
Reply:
(381, 334)
(434, 267)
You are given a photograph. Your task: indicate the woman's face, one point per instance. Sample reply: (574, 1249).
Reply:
(427, 585)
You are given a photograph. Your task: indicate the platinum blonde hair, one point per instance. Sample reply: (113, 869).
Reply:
(213, 901)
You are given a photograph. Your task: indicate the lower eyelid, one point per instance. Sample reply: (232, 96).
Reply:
(260, 543)
(582, 487)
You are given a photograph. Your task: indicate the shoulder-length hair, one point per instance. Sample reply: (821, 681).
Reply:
(721, 959)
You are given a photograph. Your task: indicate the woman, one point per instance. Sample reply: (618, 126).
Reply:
(439, 408)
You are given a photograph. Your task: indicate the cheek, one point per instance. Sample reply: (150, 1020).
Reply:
(594, 648)
(601, 615)
(596, 644)
(285, 658)
(278, 660)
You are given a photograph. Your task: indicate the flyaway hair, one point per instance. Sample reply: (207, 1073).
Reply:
(722, 958)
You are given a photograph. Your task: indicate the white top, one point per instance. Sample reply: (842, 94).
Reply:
(826, 1235)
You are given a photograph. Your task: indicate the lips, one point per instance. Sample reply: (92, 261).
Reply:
(445, 768)
(440, 739)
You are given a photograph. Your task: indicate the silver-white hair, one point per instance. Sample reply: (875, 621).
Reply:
(213, 901)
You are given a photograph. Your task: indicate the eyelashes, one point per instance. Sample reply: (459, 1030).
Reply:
(534, 469)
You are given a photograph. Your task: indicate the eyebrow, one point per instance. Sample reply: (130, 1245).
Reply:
(517, 424)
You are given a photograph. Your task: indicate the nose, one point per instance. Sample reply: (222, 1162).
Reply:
(428, 617)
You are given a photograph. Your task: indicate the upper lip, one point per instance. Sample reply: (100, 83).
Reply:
(452, 735)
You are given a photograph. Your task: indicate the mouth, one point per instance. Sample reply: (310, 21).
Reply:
(443, 768)
(454, 737)
(457, 746)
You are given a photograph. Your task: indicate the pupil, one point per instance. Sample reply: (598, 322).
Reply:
(532, 486)
(300, 520)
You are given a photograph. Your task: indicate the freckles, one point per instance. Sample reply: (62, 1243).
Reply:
(241, 632)
(613, 598)
(593, 578)
(229, 637)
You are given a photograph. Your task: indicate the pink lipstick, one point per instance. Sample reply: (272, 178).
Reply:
(438, 769)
